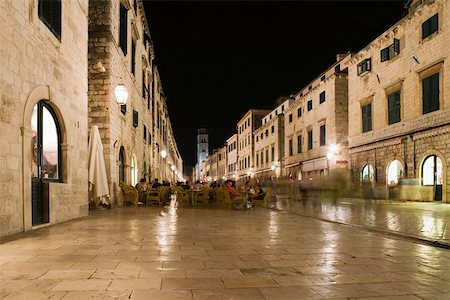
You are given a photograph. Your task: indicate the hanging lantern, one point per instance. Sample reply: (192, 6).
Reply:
(121, 93)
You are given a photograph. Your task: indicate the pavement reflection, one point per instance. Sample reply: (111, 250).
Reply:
(422, 220)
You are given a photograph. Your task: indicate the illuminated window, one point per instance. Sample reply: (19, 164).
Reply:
(432, 171)
(46, 143)
(394, 172)
(122, 165)
(367, 173)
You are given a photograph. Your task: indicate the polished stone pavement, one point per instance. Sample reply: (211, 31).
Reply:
(428, 221)
(144, 253)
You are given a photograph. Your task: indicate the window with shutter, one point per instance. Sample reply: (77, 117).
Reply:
(364, 67)
(50, 14)
(123, 109)
(309, 105)
(430, 93)
(322, 135)
(430, 26)
(299, 112)
(143, 85)
(133, 57)
(394, 107)
(290, 118)
(273, 129)
(322, 97)
(145, 133)
(123, 30)
(290, 148)
(257, 159)
(135, 119)
(310, 140)
(299, 144)
(367, 117)
(273, 154)
(391, 51)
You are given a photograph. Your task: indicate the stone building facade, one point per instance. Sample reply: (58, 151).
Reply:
(213, 159)
(43, 113)
(269, 143)
(399, 112)
(249, 123)
(134, 135)
(232, 156)
(316, 125)
(222, 162)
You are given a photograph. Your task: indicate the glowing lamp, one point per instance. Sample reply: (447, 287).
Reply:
(163, 153)
(121, 93)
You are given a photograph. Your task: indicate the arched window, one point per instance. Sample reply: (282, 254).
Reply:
(122, 165)
(46, 143)
(367, 173)
(134, 171)
(432, 173)
(394, 172)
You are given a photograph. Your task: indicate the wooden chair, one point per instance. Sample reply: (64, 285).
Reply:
(227, 199)
(155, 195)
(183, 196)
(165, 196)
(264, 200)
(216, 195)
(130, 194)
(202, 196)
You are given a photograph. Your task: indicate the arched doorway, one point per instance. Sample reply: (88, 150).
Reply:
(367, 174)
(394, 172)
(122, 165)
(433, 175)
(46, 159)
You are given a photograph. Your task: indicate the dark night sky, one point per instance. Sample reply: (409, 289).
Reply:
(219, 59)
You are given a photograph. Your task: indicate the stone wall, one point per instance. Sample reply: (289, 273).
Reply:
(36, 65)
(116, 128)
(416, 135)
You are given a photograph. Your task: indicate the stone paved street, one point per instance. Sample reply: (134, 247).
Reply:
(141, 253)
(421, 220)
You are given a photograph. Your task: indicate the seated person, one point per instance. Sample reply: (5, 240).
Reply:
(156, 184)
(186, 186)
(141, 186)
(258, 192)
(234, 194)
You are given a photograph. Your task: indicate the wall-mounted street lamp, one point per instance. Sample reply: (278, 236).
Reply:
(121, 93)
(163, 154)
(172, 168)
(332, 151)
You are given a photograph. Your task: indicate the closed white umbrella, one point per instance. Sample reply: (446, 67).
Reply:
(98, 183)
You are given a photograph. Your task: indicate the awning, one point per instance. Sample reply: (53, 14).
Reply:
(315, 164)
(292, 165)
